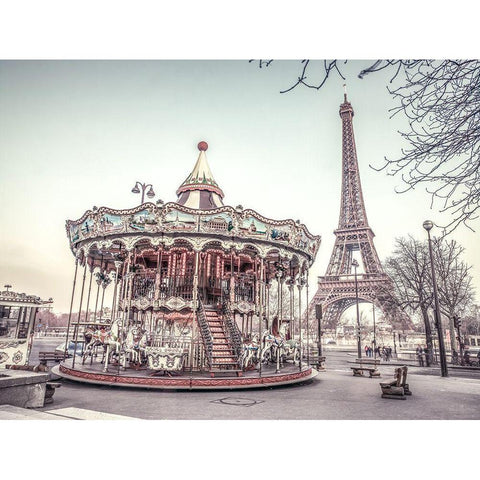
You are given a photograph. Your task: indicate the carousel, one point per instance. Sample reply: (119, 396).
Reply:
(203, 295)
(18, 314)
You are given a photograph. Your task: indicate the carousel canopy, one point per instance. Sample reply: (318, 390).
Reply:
(198, 217)
(14, 299)
(200, 190)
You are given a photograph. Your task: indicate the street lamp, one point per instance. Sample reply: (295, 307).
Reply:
(374, 329)
(143, 186)
(355, 265)
(428, 225)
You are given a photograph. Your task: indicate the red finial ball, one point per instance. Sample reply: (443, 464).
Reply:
(202, 146)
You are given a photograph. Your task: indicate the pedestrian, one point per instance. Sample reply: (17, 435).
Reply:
(366, 350)
(426, 352)
(419, 354)
(454, 357)
(466, 356)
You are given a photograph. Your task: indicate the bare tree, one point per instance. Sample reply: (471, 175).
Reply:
(454, 281)
(409, 268)
(441, 101)
(471, 320)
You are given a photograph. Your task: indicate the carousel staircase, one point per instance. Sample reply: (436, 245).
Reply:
(223, 357)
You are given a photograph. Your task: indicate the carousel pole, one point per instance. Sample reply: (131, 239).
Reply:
(113, 314)
(79, 315)
(308, 324)
(88, 296)
(118, 264)
(71, 305)
(104, 286)
(98, 291)
(194, 313)
(292, 317)
(300, 285)
(260, 315)
(279, 306)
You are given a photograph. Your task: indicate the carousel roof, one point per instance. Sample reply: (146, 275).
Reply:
(197, 216)
(200, 190)
(8, 297)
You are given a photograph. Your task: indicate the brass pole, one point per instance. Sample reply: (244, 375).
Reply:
(71, 305)
(308, 324)
(260, 316)
(78, 317)
(88, 296)
(300, 319)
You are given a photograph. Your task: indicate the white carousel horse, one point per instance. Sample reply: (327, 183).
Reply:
(250, 357)
(290, 350)
(277, 346)
(111, 340)
(131, 347)
(267, 347)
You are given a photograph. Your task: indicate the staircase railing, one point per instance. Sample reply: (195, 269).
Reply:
(232, 328)
(206, 333)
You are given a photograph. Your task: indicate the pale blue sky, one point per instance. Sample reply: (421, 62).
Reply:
(74, 134)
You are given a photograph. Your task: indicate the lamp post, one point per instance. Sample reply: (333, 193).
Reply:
(359, 347)
(374, 331)
(428, 225)
(143, 186)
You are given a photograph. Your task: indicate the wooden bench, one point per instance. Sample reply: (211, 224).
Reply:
(369, 361)
(359, 369)
(398, 388)
(45, 357)
(317, 362)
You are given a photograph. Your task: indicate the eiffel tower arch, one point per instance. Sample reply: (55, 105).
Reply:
(336, 289)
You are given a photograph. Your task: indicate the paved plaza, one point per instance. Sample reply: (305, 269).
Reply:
(334, 394)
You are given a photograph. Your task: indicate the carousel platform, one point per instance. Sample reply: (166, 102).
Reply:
(144, 378)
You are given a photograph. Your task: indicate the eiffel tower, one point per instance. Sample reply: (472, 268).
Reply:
(336, 290)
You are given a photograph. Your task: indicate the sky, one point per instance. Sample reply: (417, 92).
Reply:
(79, 133)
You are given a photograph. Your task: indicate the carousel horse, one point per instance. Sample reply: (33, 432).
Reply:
(108, 339)
(267, 347)
(134, 346)
(249, 357)
(290, 350)
(111, 340)
(92, 341)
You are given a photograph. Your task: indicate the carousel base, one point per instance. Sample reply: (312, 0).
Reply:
(144, 378)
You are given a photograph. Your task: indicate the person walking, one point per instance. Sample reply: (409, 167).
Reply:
(454, 357)
(427, 355)
(466, 356)
(419, 355)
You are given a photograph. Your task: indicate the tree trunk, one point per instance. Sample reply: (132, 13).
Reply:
(428, 337)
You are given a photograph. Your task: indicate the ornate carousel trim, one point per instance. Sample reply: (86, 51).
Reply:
(185, 382)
